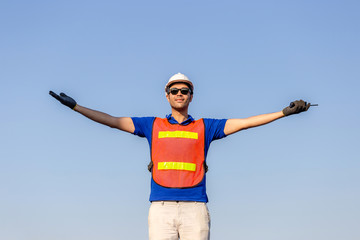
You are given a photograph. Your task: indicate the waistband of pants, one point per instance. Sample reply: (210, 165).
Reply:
(176, 202)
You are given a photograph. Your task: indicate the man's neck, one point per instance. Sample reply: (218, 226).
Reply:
(179, 116)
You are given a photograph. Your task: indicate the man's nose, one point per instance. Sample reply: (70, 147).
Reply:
(179, 93)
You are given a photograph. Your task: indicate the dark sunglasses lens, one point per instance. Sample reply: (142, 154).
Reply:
(174, 91)
(185, 91)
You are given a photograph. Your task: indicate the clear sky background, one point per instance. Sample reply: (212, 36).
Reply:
(64, 177)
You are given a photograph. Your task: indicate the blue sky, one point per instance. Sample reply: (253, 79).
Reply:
(65, 177)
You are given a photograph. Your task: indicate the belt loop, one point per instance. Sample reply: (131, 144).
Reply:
(162, 203)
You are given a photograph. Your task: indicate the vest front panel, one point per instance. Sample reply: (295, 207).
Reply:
(178, 153)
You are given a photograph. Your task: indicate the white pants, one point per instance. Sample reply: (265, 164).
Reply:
(171, 220)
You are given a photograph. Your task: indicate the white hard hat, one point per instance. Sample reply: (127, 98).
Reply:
(179, 78)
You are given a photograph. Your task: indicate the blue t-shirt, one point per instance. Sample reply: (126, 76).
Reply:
(214, 129)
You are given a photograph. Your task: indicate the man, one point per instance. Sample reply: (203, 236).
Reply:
(179, 146)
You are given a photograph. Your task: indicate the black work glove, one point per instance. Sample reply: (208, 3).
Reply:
(296, 107)
(64, 99)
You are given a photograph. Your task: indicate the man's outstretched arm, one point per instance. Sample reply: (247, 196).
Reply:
(235, 125)
(123, 123)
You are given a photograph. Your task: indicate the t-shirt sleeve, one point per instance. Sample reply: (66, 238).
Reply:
(143, 126)
(214, 128)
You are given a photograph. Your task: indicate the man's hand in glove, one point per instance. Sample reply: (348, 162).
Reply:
(296, 107)
(64, 99)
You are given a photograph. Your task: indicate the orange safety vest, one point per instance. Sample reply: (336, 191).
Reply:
(178, 153)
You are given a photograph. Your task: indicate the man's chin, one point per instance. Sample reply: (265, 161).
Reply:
(179, 108)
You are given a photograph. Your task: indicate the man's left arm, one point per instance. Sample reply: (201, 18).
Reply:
(235, 125)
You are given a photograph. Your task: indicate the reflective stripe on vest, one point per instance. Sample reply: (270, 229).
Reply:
(177, 153)
(177, 166)
(178, 134)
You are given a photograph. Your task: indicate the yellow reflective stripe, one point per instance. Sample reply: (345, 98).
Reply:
(178, 134)
(177, 166)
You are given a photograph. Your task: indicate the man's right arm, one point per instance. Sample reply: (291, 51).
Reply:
(123, 123)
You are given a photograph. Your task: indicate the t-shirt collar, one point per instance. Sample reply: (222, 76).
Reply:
(172, 120)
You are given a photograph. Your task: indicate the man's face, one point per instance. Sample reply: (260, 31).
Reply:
(179, 101)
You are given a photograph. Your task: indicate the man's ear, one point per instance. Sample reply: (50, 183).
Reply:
(191, 97)
(167, 96)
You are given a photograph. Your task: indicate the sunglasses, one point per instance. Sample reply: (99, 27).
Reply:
(183, 91)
